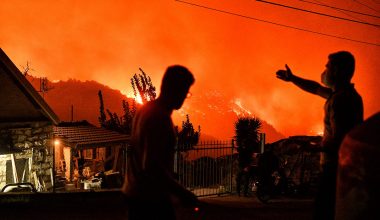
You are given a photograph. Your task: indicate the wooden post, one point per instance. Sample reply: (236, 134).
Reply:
(14, 169)
(262, 142)
(52, 178)
(24, 172)
(117, 150)
(71, 165)
(36, 181)
(30, 161)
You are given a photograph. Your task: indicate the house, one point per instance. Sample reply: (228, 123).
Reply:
(83, 150)
(26, 131)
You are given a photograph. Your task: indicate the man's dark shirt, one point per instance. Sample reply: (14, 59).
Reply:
(343, 111)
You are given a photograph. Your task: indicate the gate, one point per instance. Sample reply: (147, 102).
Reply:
(207, 168)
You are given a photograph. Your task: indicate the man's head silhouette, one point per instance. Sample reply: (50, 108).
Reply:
(175, 86)
(339, 69)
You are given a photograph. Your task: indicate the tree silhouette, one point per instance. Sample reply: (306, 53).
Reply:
(143, 87)
(247, 134)
(127, 118)
(102, 118)
(187, 137)
(247, 140)
(115, 123)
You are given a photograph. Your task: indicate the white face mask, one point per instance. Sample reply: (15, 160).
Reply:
(325, 80)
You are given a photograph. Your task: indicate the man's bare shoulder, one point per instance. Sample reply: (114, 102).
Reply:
(152, 112)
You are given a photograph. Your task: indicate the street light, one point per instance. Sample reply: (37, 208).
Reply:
(56, 142)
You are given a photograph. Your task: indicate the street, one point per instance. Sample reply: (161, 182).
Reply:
(110, 205)
(240, 208)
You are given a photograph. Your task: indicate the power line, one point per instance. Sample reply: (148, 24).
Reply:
(340, 9)
(343, 12)
(366, 6)
(318, 13)
(278, 24)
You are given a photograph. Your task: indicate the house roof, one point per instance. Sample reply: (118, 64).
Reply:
(20, 102)
(86, 135)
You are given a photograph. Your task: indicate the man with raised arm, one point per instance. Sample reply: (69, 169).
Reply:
(343, 111)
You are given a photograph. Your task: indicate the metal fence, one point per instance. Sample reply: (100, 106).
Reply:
(207, 168)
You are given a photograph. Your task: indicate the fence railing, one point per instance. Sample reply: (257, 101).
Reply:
(207, 168)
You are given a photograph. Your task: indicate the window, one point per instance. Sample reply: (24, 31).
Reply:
(87, 154)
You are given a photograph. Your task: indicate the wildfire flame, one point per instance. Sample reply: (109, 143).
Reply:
(138, 99)
(130, 95)
(239, 109)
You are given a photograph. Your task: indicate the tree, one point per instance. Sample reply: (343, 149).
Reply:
(247, 134)
(187, 138)
(247, 140)
(143, 87)
(102, 118)
(127, 118)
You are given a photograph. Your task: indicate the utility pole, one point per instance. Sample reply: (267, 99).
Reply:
(72, 113)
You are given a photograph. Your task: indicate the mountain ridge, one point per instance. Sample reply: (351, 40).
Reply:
(214, 113)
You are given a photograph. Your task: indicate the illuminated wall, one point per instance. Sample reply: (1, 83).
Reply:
(32, 149)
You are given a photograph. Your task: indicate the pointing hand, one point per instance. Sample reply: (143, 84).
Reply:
(285, 75)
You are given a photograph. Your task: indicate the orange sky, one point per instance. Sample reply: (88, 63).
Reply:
(108, 40)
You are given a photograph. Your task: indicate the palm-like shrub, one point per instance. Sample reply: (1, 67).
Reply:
(247, 134)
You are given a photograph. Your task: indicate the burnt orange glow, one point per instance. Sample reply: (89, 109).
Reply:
(107, 41)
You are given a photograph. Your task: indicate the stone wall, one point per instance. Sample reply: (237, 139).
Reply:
(32, 144)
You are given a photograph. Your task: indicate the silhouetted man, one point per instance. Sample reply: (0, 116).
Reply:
(149, 183)
(343, 111)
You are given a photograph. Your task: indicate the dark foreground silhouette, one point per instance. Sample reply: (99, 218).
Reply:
(150, 184)
(359, 172)
(343, 111)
